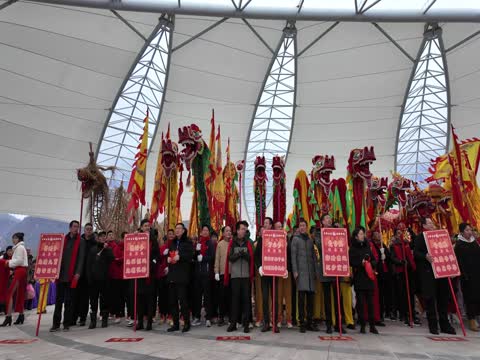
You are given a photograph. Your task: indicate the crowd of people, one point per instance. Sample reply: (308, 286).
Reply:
(218, 279)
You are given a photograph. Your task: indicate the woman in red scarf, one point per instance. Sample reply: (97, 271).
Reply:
(19, 265)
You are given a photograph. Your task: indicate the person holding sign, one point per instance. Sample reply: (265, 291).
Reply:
(98, 261)
(71, 268)
(19, 264)
(467, 251)
(363, 263)
(304, 273)
(285, 285)
(266, 282)
(180, 254)
(434, 291)
(328, 282)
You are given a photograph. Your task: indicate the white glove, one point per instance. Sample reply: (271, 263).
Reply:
(383, 257)
(286, 275)
(260, 271)
(169, 260)
(199, 247)
(165, 272)
(177, 257)
(217, 277)
(199, 258)
(165, 252)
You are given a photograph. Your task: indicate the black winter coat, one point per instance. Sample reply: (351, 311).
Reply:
(468, 256)
(428, 284)
(98, 261)
(358, 252)
(179, 272)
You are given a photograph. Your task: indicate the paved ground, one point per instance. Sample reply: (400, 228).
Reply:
(394, 342)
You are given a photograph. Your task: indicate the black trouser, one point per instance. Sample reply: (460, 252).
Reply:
(130, 298)
(438, 303)
(203, 290)
(118, 293)
(365, 296)
(80, 300)
(178, 294)
(222, 297)
(327, 288)
(294, 300)
(162, 294)
(63, 298)
(385, 292)
(241, 295)
(305, 297)
(98, 289)
(267, 292)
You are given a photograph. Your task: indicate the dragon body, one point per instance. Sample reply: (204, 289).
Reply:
(279, 189)
(260, 191)
(321, 186)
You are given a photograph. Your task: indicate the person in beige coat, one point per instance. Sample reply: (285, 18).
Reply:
(219, 268)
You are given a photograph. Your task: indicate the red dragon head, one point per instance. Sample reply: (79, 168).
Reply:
(359, 163)
(420, 203)
(260, 174)
(441, 197)
(322, 169)
(278, 167)
(377, 189)
(169, 151)
(190, 137)
(398, 188)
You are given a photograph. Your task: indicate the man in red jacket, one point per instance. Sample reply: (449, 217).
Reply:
(403, 266)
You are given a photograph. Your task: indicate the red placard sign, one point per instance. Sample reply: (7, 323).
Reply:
(124, 340)
(274, 252)
(336, 338)
(17, 341)
(446, 338)
(440, 247)
(49, 258)
(233, 338)
(136, 256)
(335, 252)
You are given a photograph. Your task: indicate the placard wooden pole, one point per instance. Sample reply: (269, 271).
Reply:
(274, 300)
(42, 299)
(407, 284)
(339, 308)
(135, 307)
(456, 307)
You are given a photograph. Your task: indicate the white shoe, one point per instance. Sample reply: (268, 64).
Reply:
(258, 324)
(279, 324)
(289, 325)
(250, 325)
(208, 323)
(129, 322)
(196, 322)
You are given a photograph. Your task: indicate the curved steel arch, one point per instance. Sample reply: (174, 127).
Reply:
(424, 127)
(272, 123)
(143, 88)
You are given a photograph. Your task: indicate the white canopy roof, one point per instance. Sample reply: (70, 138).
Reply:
(61, 68)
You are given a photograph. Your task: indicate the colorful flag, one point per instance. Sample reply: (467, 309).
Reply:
(136, 185)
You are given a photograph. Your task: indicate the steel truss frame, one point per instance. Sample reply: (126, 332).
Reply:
(143, 88)
(424, 127)
(272, 123)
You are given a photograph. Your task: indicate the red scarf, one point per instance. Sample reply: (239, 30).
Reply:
(203, 244)
(73, 257)
(226, 278)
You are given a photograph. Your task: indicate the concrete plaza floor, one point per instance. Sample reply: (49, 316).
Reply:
(394, 342)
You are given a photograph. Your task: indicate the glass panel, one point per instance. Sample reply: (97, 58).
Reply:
(424, 122)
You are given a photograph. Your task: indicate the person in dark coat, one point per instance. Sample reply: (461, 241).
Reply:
(81, 296)
(98, 262)
(204, 262)
(266, 283)
(239, 273)
(71, 269)
(146, 287)
(329, 283)
(435, 292)
(361, 258)
(384, 271)
(304, 272)
(179, 265)
(467, 251)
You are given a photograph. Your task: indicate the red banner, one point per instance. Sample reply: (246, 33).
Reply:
(274, 253)
(233, 338)
(336, 338)
(440, 248)
(49, 258)
(136, 256)
(17, 341)
(335, 252)
(124, 340)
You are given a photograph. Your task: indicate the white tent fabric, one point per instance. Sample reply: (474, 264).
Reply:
(61, 68)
